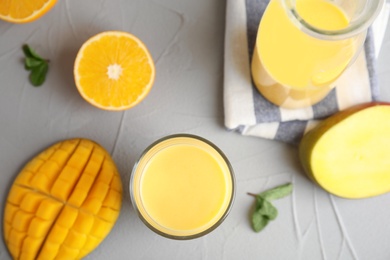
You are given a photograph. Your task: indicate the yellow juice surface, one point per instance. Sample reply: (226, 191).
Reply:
(293, 58)
(184, 188)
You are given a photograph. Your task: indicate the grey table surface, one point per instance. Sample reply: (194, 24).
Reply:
(186, 40)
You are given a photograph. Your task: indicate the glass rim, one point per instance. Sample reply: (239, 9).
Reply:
(353, 29)
(213, 226)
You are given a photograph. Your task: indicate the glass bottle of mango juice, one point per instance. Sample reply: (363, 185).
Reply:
(303, 46)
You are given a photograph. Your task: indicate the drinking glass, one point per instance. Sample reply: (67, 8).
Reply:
(182, 187)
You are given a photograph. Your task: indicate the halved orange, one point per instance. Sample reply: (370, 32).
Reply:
(114, 70)
(24, 11)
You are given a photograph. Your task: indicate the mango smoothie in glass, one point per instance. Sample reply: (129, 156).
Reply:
(182, 187)
(303, 46)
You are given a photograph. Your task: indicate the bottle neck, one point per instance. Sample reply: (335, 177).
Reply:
(361, 15)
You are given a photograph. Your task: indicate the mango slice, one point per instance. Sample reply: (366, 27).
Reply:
(63, 203)
(347, 154)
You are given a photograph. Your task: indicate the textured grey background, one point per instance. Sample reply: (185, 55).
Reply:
(186, 41)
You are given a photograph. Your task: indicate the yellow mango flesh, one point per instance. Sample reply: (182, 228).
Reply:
(348, 154)
(63, 203)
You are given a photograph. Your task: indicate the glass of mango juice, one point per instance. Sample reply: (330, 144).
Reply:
(182, 187)
(303, 46)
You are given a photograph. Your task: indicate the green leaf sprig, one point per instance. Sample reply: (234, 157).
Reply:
(36, 64)
(264, 211)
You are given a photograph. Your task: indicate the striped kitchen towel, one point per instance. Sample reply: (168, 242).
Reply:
(248, 113)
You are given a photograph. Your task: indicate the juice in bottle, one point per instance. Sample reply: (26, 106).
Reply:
(291, 68)
(182, 187)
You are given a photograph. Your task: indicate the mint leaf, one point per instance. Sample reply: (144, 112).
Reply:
(264, 210)
(259, 221)
(268, 210)
(30, 63)
(277, 192)
(36, 64)
(30, 53)
(38, 74)
(263, 213)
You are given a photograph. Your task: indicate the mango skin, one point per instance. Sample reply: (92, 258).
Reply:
(63, 203)
(311, 138)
